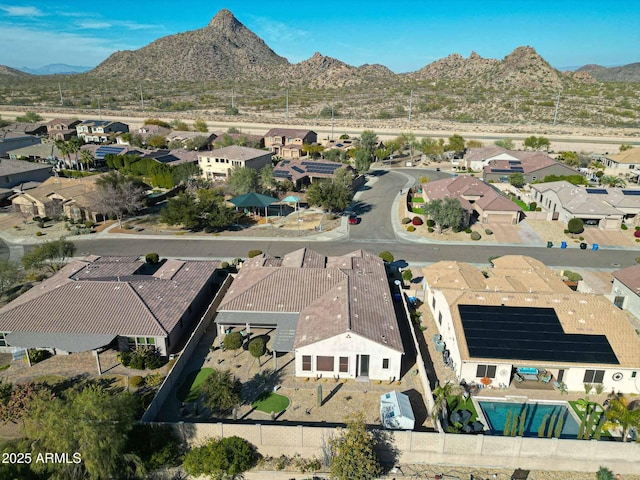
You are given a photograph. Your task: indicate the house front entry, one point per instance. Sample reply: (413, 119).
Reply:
(362, 367)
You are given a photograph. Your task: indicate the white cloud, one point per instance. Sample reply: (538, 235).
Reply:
(102, 25)
(18, 11)
(277, 32)
(94, 25)
(54, 47)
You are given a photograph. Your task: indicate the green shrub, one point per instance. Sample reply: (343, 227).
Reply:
(406, 220)
(137, 362)
(411, 228)
(386, 256)
(89, 224)
(152, 258)
(257, 347)
(575, 225)
(40, 224)
(416, 221)
(566, 232)
(224, 265)
(475, 236)
(407, 275)
(467, 230)
(572, 276)
(39, 233)
(136, 381)
(154, 379)
(431, 223)
(430, 230)
(624, 227)
(533, 206)
(637, 228)
(233, 341)
(125, 358)
(488, 232)
(254, 253)
(37, 356)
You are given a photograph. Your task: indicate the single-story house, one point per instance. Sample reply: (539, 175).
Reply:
(13, 140)
(532, 165)
(603, 207)
(71, 197)
(40, 152)
(26, 128)
(627, 160)
(478, 199)
(14, 173)
(522, 318)
(184, 137)
(218, 163)
(625, 290)
(335, 313)
(303, 172)
(110, 301)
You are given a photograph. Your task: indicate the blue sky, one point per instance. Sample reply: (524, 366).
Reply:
(402, 35)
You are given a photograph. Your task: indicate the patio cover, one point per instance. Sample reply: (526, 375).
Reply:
(291, 199)
(253, 200)
(68, 342)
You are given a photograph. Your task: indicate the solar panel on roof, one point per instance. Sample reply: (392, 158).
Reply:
(596, 191)
(631, 192)
(528, 333)
(297, 169)
(284, 162)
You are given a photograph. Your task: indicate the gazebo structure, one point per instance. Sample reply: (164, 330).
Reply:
(253, 200)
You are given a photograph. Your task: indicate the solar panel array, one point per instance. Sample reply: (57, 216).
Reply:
(297, 169)
(281, 174)
(320, 167)
(529, 333)
(101, 152)
(284, 162)
(507, 170)
(631, 192)
(596, 191)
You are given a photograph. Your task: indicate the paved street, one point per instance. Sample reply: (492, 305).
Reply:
(375, 204)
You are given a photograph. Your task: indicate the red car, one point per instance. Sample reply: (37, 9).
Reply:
(354, 220)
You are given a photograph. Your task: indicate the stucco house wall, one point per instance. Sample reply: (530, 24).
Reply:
(349, 345)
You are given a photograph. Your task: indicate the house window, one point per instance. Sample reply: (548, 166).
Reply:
(440, 318)
(593, 376)
(306, 363)
(136, 342)
(488, 371)
(344, 365)
(3, 341)
(324, 364)
(633, 374)
(433, 303)
(385, 363)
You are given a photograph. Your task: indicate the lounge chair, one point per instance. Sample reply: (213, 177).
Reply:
(455, 417)
(465, 416)
(466, 428)
(518, 378)
(477, 427)
(546, 378)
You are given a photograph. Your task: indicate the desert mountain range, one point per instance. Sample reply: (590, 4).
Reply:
(227, 50)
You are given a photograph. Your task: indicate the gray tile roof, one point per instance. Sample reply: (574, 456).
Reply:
(86, 298)
(332, 295)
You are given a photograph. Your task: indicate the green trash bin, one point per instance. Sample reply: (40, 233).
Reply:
(549, 244)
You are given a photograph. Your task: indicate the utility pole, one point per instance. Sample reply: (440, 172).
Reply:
(287, 112)
(410, 104)
(99, 111)
(555, 114)
(233, 105)
(332, 121)
(141, 98)
(60, 89)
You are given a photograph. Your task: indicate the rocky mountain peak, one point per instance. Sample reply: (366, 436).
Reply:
(225, 20)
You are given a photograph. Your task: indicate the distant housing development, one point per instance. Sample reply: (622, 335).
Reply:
(98, 131)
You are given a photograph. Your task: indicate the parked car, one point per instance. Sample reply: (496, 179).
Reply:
(354, 219)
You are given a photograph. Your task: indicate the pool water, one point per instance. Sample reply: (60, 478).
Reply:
(496, 416)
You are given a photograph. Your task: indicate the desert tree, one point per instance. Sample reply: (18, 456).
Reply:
(352, 452)
(51, 255)
(117, 195)
(221, 391)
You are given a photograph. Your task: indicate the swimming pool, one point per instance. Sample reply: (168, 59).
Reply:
(496, 414)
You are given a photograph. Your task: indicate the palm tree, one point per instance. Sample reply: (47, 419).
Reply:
(624, 414)
(604, 473)
(63, 148)
(612, 181)
(86, 157)
(74, 147)
(441, 395)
